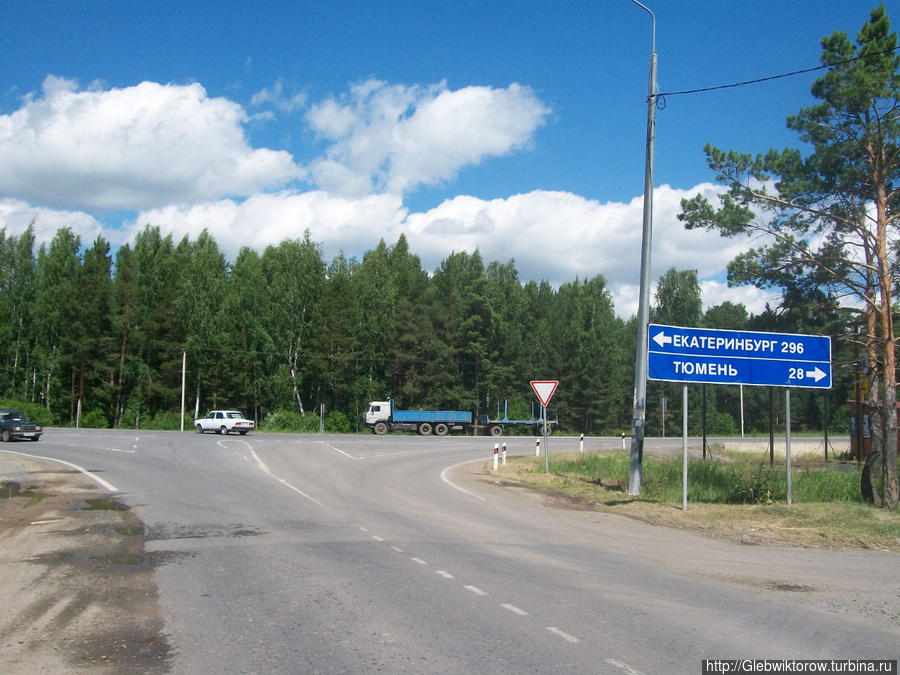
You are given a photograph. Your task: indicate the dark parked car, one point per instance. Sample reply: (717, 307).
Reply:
(15, 424)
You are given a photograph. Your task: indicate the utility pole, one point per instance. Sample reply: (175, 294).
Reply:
(640, 366)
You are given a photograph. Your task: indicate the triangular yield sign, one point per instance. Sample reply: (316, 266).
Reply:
(544, 390)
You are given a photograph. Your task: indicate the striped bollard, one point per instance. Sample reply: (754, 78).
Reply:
(496, 454)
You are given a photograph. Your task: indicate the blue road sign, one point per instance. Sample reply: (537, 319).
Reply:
(679, 354)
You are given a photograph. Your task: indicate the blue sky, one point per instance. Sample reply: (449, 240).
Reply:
(514, 128)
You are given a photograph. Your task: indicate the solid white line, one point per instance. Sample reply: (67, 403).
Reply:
(446, 575)
(454, 485)
(419, 560)
(623, 666)
(262, 465)
(343, 452)
(514, 609)
(475, 590)
(94, 477)
(565, 636)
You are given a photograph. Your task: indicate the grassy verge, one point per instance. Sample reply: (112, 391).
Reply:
(739, 497)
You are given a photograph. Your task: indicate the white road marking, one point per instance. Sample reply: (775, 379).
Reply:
(377, 538)
(94, 477)
(419, 560)
(363, 529)
(565, 636)
(446, 575)
(397, 548)
(623, 666)
(45, 522)
(475, 590)
(131, 452)
(343, 452)
(454, 485)
(262, 465)
(514, 609)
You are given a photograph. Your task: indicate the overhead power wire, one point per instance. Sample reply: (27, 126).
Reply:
(774, 77)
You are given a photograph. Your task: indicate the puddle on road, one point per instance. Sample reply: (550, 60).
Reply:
(168, 532)
(105, 504)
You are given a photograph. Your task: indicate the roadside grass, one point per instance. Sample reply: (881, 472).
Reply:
(735, 496)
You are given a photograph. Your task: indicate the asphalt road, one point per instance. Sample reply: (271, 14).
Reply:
(351, 554)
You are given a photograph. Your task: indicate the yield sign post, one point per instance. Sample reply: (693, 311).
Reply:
(544, 390)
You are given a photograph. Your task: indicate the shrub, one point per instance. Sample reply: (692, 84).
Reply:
(337, 423)
(36, 412)
(290, 421)
(94, 419)
(164, 420)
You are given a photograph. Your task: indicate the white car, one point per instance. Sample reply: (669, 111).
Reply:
(224, 422)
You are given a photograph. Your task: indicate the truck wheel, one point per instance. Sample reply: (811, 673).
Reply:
(495, 430)
(538, 429)
(441, 429)
(380, 429)
(199, 428)
(425, 429)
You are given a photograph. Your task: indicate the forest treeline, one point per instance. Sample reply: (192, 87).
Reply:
(100, 336)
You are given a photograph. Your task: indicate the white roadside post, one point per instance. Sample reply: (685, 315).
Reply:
(537, 448)
(581, 445)
(496, 454)
(503, 453)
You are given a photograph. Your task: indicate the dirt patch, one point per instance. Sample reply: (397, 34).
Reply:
(75, 581)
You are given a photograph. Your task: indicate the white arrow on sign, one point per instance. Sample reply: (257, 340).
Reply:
(816, 374)
(544, 390)
(662, 339)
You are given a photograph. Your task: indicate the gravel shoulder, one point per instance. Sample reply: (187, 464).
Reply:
(75, 581)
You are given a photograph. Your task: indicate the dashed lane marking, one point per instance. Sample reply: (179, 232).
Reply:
(623, 666)
(565, 636)
(514, 609)
(475, 590)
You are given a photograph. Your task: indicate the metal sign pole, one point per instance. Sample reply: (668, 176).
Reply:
(546, 445)
(787, 446)
(684, 443)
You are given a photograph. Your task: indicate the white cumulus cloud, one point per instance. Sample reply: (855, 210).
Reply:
(16, 216)
(131, 148)
(392, 138)
(338, 223)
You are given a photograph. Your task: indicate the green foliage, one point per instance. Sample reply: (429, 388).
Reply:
(36, 413)
(337, 423)
(290, 421)
(281, 331)
(716, 482)
(94, 419)
(165, 421)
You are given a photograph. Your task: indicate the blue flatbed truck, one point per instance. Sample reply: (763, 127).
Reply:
(382, 417)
